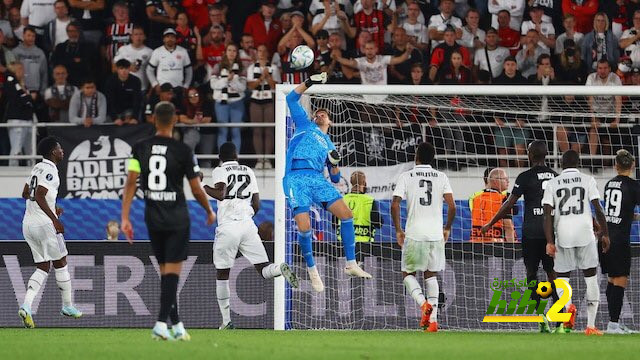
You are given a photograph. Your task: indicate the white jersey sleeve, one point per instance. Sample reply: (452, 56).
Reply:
(400, 190)
(594, 194)
(43, 174)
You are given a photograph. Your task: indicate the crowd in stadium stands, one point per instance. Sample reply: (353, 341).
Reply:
(105, 61)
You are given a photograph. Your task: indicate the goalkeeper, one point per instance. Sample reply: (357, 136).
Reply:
(310, 150)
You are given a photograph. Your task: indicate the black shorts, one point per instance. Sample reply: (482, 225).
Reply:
(617, 261)
(534, 251)
(170, 245)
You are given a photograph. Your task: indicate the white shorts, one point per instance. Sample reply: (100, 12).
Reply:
(45, 244)
(422, 256)
(234, 236)
(582, 258)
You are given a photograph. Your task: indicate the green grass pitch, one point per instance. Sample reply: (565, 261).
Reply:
(121, 344)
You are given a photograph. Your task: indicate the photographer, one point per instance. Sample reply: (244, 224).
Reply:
(571, 69)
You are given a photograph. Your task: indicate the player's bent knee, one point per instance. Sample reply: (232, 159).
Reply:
(405, 274)
(223, 274)
(429, 274)
(589, 272)
(260, 266)
(60, 263)
(44, 266)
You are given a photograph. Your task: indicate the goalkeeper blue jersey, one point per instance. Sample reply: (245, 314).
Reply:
(309, 146)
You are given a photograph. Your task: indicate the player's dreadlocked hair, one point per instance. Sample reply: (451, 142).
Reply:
(46, 146)
(624, 159)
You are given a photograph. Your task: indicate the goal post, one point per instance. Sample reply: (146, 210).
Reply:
(376, 129)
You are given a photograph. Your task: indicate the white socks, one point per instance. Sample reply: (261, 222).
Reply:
(593, 299)
(270, 271)
(560, 291)
(414, 289)
(37, 279)
(223, 295)
(64, 284)
(433, 291)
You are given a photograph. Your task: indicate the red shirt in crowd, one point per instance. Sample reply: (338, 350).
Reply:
(443, 52)
(583, 13)
(212, 54)
(373, 23)
(261, 35)
(510, 39)
(198, 11)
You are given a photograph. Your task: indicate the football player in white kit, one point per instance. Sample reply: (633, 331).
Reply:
(236, 189)
(424, 188)
(43, 231)
(569, 232)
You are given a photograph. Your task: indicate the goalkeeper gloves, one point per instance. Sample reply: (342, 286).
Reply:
(316, 79)
(333, 157)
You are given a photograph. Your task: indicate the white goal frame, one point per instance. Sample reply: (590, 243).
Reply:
(443, 90)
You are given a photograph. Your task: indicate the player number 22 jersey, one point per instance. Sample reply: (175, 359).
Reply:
(423, 187)
(241, 185)
(45, 174)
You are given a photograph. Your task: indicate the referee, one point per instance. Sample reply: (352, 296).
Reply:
(162, 163)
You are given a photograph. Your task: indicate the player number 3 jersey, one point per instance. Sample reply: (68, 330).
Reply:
(241, 185)
(45, 174)
(423, 187)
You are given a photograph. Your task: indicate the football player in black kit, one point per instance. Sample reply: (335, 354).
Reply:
(531, 184)
(621, 195)
(162, 163)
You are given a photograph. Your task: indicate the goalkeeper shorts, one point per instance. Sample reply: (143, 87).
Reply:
(304, 188)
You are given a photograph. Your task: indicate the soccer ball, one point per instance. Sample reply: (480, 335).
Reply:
(302, 57)
(544, 289)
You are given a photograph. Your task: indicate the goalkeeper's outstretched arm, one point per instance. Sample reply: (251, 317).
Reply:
(298, 114)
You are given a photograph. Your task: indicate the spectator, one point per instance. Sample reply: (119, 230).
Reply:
(509, 37)
(211, 53)
(198, 12)
(455, 73)
(441, 55)
(600, 106)
(624, 70)
(16, 23)
(473, 38)
(118, 33)
(37, 14)
(5, 5)
(216, 18)
(510, 133)
(138, 55)
(79, 57)
(513, 8)
(196, 111)
(58, 96)
(290, 41)
(263, 27)
(416, 30)
(571, 69)
(337, 73)
(6, 56)
(248, 53)
(400, 72)
(630, 40)
(531, 51)
(88, 106)
(165, 93)
(583, 10)
(262, 78)
(89, 14)
(113, 230)
(9, 38)
(186, 36)
(366, 213)
(491, 57)
(569, 24)
(388, 6)
(546, 31)
(162, 16)
(34, 61)
(332, 17)
(552, 12)
(404, 12)
(21, 111)
(285, 21)
(229, 82)
(600, 43)
(485, 207)
(372, 66)
(172, 65)
(440, 22)
(418, 77)
(618, 13)
(124, 96)
(371, 20)
(323, 52)
(545, 73)
(55, 31)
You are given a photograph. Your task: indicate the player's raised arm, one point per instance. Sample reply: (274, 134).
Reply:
(298, 114)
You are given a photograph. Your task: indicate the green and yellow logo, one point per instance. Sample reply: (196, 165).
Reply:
(521, 307)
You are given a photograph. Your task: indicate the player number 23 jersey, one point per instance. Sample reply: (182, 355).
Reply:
(423, 187)
(241, 185)
(45, 174)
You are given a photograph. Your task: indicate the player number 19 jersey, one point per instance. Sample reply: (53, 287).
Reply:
(241, 185)
(423, 187)
(570, 194)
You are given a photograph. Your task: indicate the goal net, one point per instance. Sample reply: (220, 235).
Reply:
(376, 130)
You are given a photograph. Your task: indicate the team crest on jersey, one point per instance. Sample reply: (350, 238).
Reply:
(49, 177)
(179, 57)
(97, 168)
(374, 20)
